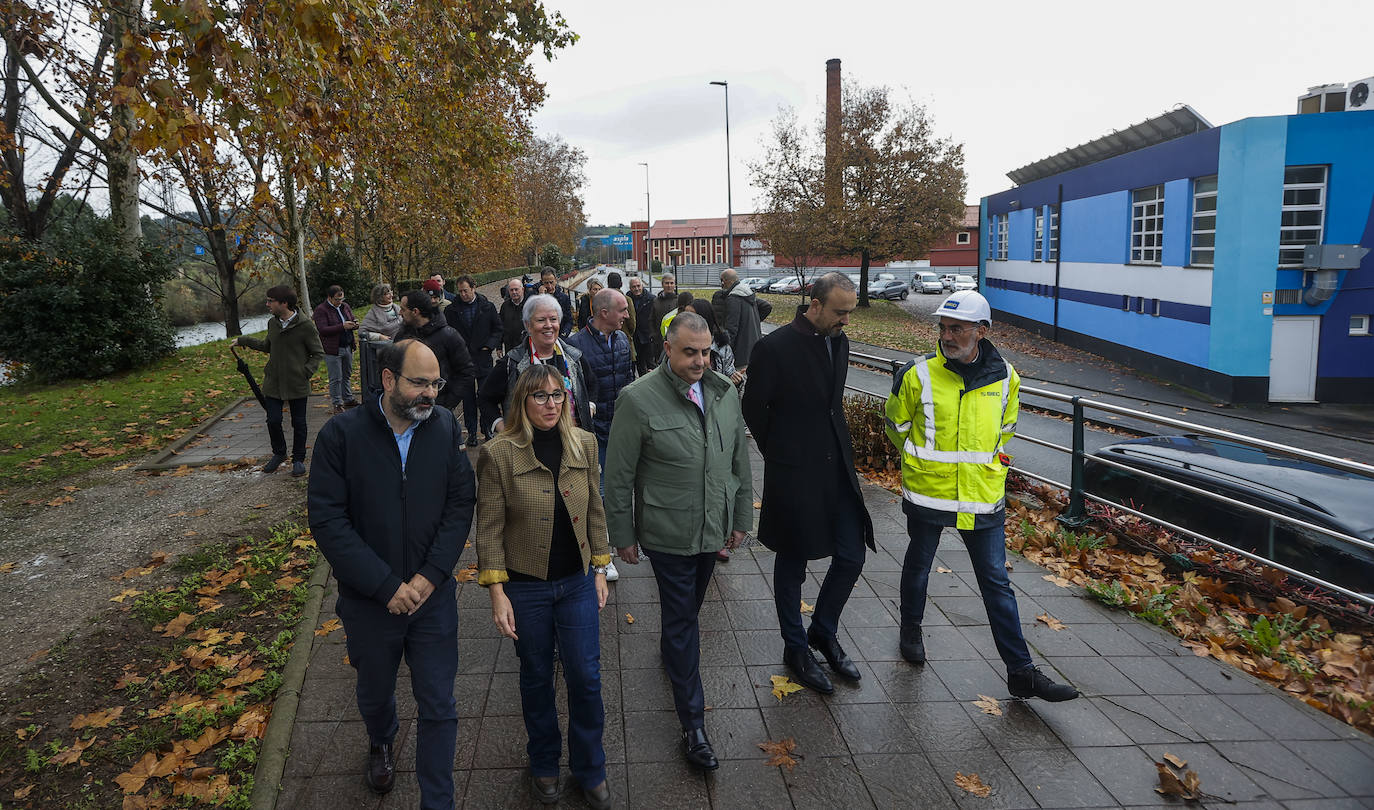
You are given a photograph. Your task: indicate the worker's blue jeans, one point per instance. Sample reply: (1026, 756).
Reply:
(987, 551)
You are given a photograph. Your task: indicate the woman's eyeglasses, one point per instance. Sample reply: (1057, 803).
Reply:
(544, 397)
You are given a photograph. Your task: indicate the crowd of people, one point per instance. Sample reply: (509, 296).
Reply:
(626, 438)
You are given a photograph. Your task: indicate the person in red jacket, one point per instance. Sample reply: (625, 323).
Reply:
(334, 320)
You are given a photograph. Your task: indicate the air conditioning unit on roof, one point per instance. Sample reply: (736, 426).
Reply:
(1360, 95)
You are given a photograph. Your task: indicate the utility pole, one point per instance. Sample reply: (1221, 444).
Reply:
(648, 231)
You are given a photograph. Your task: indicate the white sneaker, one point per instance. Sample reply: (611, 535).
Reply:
(611, 574)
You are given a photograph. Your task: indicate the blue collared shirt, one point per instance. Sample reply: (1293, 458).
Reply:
(402, 439)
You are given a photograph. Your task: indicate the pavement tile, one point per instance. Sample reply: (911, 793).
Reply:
(719, 649)
(753, 614)
(652, 783)
(1074, 609)
(1078, 722)
(654, 736)
(943, 726)
(747, 784)
(735, 734)
(501, 743)
(874, 728)
(645, 690)
(329, 792)
(330, 661)
(980, 636)
(1018, 728)
(1048, 642)
(866, 611)
(1032, 582)
(634, 589)
(760, 647)
(1219, 777)
(884, 584)
(906, 683)
(503, 694)
(944, 585)
(639, 651)
(810, 725)
(902, 780)
(475, 656)
(1216, 677)
(742, 586)
(888, 557)
(1327, 804)
(1144, 719)
(712, 617)
(1348, 763)
(506, 659)
(760, 679)
(1127, 772)
(1288, 719)
(647, 618)
(726, 688)
(1056, 779)
(1212, 718)
(1093, 675)
(865, 690)
(947, 644)
(966, 680)
(1276, 771)
(1006, 788)
(1110, 639)
(333, 699)
(873, 643)
(825, 783)
(1155, 676)
(961, 610)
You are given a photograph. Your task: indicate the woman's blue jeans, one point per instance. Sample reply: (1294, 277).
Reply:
(987, 551)
(564, 609)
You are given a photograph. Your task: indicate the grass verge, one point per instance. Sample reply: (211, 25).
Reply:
(52, 431)
(882, 323)
(165, 704)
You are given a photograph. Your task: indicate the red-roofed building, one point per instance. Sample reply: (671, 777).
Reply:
(959, 249)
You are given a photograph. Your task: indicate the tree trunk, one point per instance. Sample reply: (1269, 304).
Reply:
(863, 278)
(295, 234)
(228, 283)
(121, 161)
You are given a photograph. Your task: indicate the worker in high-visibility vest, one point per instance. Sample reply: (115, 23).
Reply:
(951, 414)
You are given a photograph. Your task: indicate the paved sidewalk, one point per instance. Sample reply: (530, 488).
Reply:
(894, 740)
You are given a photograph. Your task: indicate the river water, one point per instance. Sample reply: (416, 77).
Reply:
(199, 333)
(193, 335)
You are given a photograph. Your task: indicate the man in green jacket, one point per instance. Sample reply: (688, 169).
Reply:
(293, 353)
(678, 485)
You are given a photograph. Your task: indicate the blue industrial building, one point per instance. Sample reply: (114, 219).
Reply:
(1182, 249)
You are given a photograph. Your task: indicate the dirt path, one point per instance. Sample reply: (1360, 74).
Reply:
(65, 557)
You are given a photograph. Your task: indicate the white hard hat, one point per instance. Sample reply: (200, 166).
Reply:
(966, 305)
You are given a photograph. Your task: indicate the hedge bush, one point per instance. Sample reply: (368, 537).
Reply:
(78, 306)
(337, 265)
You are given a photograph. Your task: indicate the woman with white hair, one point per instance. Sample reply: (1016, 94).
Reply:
(541, 344)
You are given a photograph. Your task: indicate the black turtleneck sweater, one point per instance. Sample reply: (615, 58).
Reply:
(564, 557)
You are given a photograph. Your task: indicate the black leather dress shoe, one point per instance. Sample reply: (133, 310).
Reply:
(599, 797)
(805, 669)
(834, 655)
(381, 768)
(699, 752)
(544, 788)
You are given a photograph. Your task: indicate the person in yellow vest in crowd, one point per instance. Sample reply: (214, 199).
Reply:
(951, 414)
(684, 300)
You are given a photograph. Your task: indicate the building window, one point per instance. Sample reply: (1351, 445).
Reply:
(1304, 207)
(962, 238)
(992, 237)
(1147, 224)
(1359, 325)
(1204, 221)
(1053, 255)
(1039, 244)
(1002, 238)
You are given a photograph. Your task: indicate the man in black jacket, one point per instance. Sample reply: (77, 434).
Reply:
(642, 303)
(664, 302)
(794, 406)
(475, 319)
(513, 314)
(395, 565)
(422, 320)
(548, 285)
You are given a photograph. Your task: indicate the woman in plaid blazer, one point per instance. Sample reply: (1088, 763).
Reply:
(542, 554)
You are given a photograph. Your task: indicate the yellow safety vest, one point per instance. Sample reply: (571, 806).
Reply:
(952, 440)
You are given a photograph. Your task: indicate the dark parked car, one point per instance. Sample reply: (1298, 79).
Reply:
(1314, 493)
(891, 289)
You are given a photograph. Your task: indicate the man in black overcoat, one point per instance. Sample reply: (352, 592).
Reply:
(812, 505)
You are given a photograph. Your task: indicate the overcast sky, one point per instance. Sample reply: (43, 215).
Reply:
(1013, 81)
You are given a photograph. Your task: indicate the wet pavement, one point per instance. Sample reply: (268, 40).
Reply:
(895, 739)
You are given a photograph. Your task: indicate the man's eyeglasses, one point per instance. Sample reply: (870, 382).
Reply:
(956, 330)
(420, 382)
(544, 397)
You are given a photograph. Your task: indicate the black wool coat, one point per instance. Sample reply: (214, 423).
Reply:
(794, 407)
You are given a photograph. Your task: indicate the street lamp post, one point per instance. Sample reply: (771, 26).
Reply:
(729, 212)
(648, 231)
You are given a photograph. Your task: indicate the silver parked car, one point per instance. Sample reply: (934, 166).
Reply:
(927, 283)
(964, 283)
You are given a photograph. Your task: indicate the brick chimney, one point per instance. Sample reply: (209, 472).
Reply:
(833, 195)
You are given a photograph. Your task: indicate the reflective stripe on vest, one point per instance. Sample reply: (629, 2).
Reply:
(948, 505)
